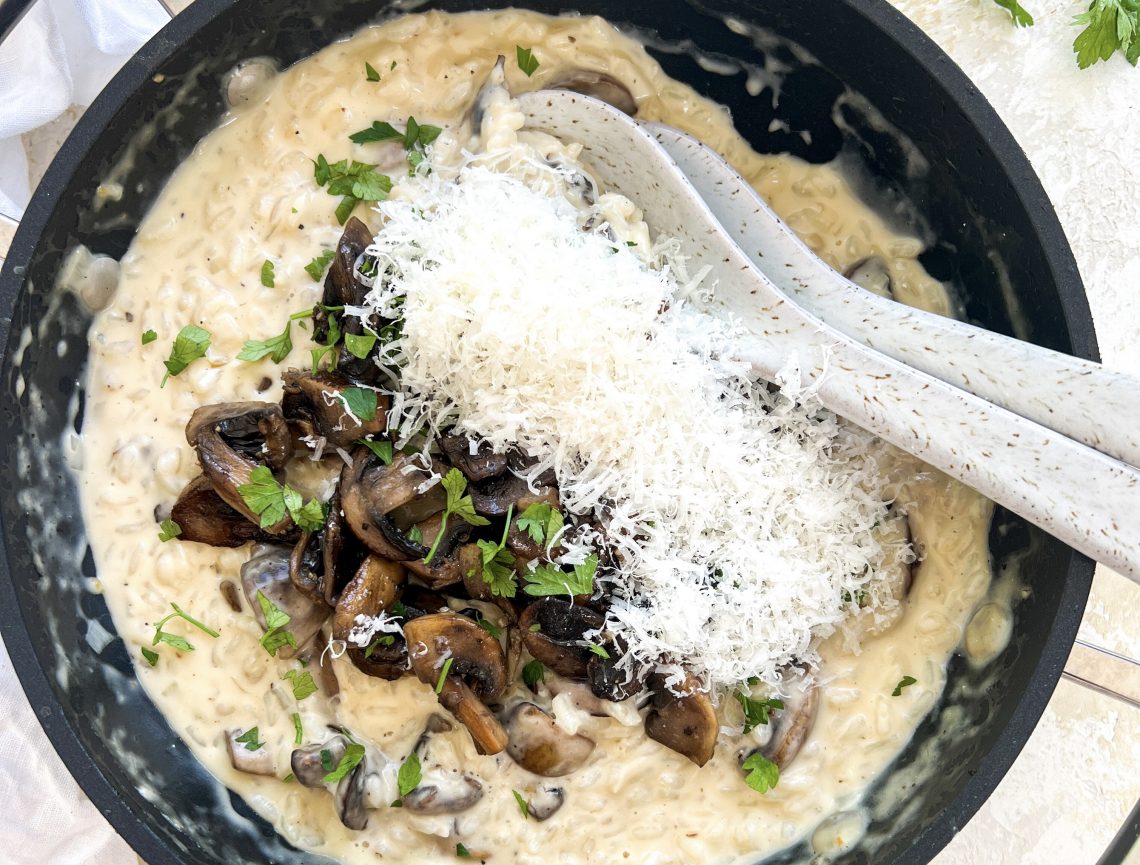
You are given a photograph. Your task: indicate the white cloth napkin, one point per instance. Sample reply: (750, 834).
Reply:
(62, 53)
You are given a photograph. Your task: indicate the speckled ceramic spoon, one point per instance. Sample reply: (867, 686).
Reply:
(1083, 496)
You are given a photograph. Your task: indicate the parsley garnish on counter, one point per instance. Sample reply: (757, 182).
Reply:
(191, 343)
(1017, 12)
(1110, 26)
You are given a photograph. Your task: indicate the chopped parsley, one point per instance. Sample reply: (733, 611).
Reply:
(191, 343)
(462, 852)
(382, 449)
(298, 730)
(488, 626)
(762, 774)
(904, 682)
(267, 274)
(443, 675)
(303, 684)
(533, 673)
(370, 73)
(385, 640)
(1109, 26)
(353, 754)
(454, 483)
(168, 529)
(151, 657)
(275, 636)
(352, 181)
(326, 759)
(276, 347)
(360, 401)
(359, 345)
(526, 60)
(416, 535)
(755, 711)
(541, 522)
(523, 804)
(379, 131)
(498, 563)
(600, 651)
(552, 580)
(1017, 12)
(249, 739)
(271, 501)
(410, 774)
(148, 337)
(316, 267)
(178, 642)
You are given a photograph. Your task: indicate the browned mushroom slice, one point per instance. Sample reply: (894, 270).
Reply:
(311, 763)
(596, 84)
(351, 801)
(445, 795)
(231, 595)
(543, 802)
(494, 497)
(258, 761)
(684, 721)
(792, 728)
(448, 563)
(342, 288)
(370, 491)
(267, 571)
(872, 274)
(204, 517)
(476, 672)
(371, 591)
(478, 466)
(608, 680)
(326, 672)
(319, 398)
(559, 641)
(540, 746)
(254, 430)
(496, 83)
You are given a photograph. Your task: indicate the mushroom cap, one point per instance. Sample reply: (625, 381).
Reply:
(596, 84)
(684, 721)
(255, 430)
(258, 762)
(351, 802)
(486, 732)
(369, 492)
(205, 517)
(308, 764)
(540, 746)
(476, 657)
(267, 571)
(792, 728)
(559, 643)
(373, 589)
(543, 802)
(478, 466)
(316, 398)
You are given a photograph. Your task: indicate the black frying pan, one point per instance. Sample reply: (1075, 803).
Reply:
(984, 212)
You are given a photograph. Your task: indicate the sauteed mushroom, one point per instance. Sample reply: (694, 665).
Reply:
(539, 745)
(311, 763)
(599, 85)
(442, 790)
(480, 466)
(872, 274)
(559, 643)
(370, 491)
(372, 590)
(608, 680)
(267, 571)
(684, 721)
(351, 806)
(447, 565)
(792, 728)
(204, 517)
(255, 762)
(494, 86)
(477, 673)
(544, 801)
(493, 497)
(317, 401)
(341, 286)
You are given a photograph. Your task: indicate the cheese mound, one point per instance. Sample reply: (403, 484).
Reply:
(742, 520)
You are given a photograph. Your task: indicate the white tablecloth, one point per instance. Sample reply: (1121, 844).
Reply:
(1080, 773)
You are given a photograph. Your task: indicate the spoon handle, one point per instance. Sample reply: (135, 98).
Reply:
(1076, 397)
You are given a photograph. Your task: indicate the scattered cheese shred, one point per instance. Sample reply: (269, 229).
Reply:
(741, 518)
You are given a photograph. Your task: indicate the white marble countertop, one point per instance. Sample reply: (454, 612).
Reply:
(1079, 775)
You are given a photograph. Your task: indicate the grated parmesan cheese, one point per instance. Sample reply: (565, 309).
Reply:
(741, 516)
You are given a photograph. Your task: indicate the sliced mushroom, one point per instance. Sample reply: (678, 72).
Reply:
(311, 763)
(559, 642)
(318, 398)
(477, 672)
(342, 288)
(492, 498)
(447, 565)
(543, 802)
(684, 721)
(255, 430)
(255, 762)
(793, 726)
(230, 594)
(494, 87)
(443, 790)
(325, 670)
(873, 274)
(478, 466)
(204, 517)
(596, 84)
(371, 591)
(267, 571)
(370, 491)
(540, 746)
(608, 680)
(351, 803)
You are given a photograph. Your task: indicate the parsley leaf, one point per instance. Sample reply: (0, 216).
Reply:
(271, 501)
(533, 673)
(168, 529)
(600, 651)
(462, 852)
(361, 401)
(383, 640)
(410, 774)
(353, 754)
(454, 483)
(523, 804)
(316, 267)
(552, 580)
(498, 563)
(904, 682)
(443, 675)
(490, 627)
(1110, 25)
(755, 711)
(351, 180)
(326, 759)
(526, 60)
(370, 73)
(148, 337)
(298, 730)
(382, 449)
(359, 345)
(267, 275)
(151, 657)
(303, 684)
(1017, 12)
(191, 343)
(541, 522)
(275, 637)
(276, 347)
(378, 131)
(179, 643)
(762, 775)
(249, 739)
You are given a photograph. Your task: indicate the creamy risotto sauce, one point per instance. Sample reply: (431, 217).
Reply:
(247, 194)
